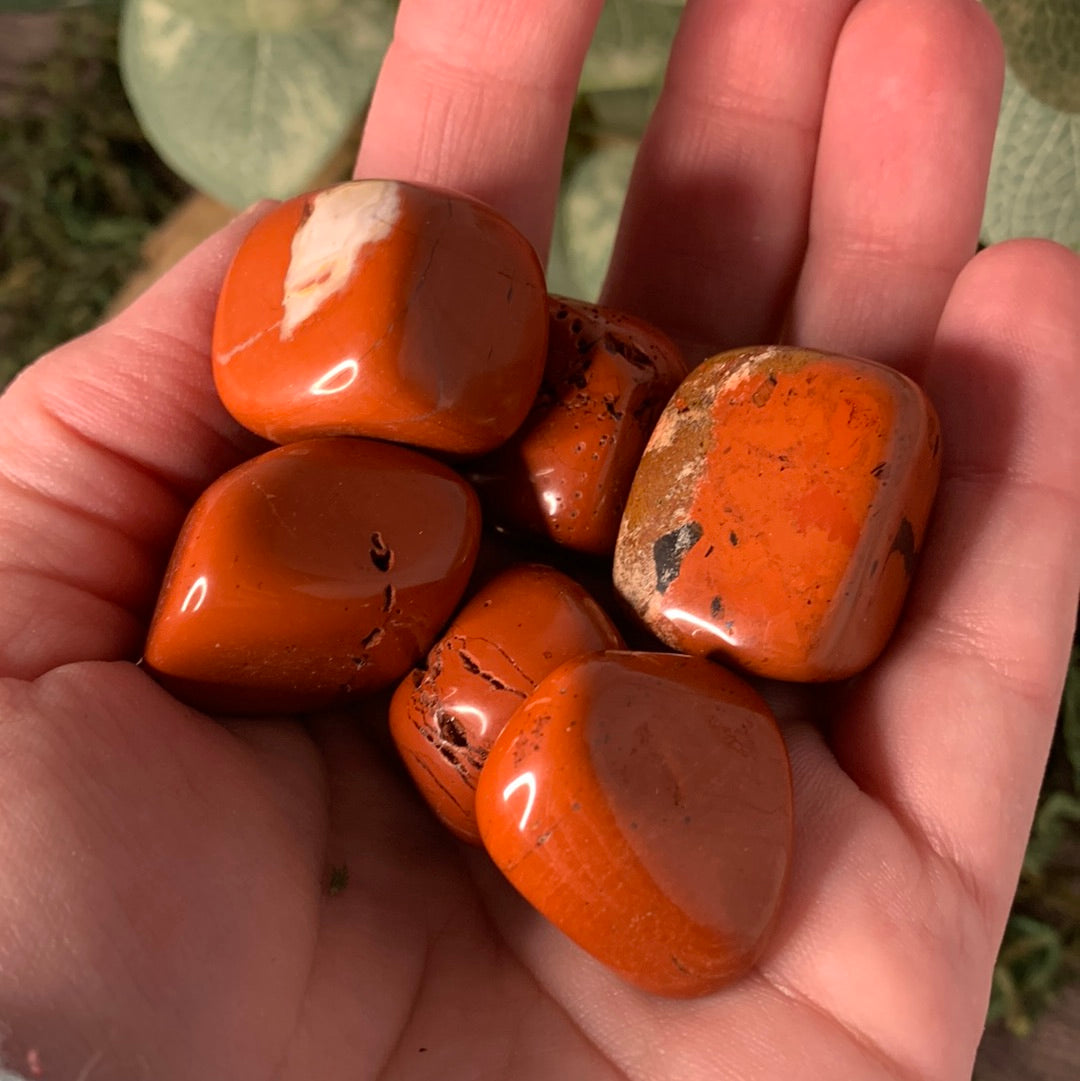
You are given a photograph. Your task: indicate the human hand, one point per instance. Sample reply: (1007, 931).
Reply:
(813, 169)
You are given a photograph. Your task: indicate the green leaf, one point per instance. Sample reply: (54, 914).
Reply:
(1057, 818)
(1034, 187)
(588, 219)
(247, 99)
(275, 16)
(1029, 968)
(631, 45)
(1042, 41)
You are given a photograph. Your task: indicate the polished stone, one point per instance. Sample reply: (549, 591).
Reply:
(778, 511)
(312, 575)
(566, 472)
(382, 309)
(642, 802)
(447, 713)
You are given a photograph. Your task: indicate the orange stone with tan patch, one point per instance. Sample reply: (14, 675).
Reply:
(778, 510)
(642, 802)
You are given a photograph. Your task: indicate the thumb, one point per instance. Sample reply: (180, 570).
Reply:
(104, 443)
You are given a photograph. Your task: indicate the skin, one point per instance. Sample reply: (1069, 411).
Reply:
(816, 168)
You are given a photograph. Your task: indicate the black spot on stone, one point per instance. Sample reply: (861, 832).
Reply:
(904, 543)
(764, 392)
(669, 550)
(734, 538)
(878, 469)
(382, 557)
(716, 607)
(450, 729)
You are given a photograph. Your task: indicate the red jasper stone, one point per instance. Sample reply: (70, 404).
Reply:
(382, 309)
(778, 510)
(566, 473)
(445, 716)
(311, 575)
(642, 802)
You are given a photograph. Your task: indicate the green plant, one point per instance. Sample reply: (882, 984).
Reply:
(79, 191)
(1034, 187)
(1041, 951)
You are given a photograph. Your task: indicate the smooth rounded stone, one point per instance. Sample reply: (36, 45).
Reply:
(446, 714)
(778, 510)
(312, 575)
(642, 803)
(382, 309)
(566, 472)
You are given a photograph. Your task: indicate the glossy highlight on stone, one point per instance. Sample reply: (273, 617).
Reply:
(382, 309)
(642, 803)
(447, 713)
(312, 575)
(778, 510)
(566, 473)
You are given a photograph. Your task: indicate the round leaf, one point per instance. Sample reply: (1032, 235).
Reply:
(280, 16)
(1034, 187)
(1042, 40)
(244, 112)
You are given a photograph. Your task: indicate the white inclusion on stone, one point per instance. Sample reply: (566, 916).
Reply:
(326, 249)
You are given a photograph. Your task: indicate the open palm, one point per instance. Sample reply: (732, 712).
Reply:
(815, 170)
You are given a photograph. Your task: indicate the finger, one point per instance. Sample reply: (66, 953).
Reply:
(714, 224)
(104, 443)
(901, 174)
(952, 730)
(476, 95)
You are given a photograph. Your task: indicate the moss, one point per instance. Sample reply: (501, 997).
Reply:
(80, 191)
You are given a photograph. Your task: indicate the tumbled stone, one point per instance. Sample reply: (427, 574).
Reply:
(446, 714)
(312, 575)
(382, 309)
(642, 802)
(778, 511)
(566, 472)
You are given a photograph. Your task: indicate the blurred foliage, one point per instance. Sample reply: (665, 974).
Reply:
(79, 190)
(1034, 184)
(1041, 950)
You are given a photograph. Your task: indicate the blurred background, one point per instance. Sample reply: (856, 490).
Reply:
(132, 129)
